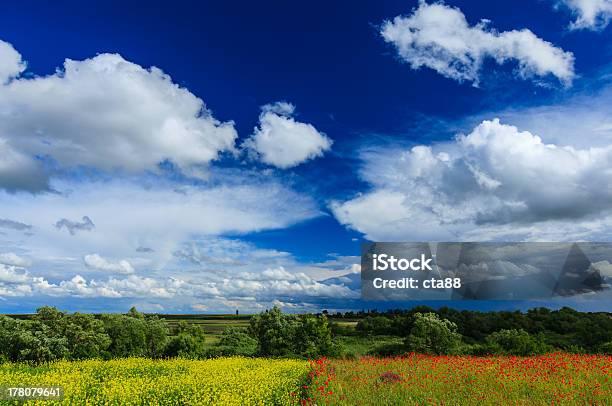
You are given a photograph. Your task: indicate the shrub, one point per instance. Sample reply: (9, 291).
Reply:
(188, 343)
(281, 334)
(432, 335)
(235, 341)
(605, 348)
(516, 342)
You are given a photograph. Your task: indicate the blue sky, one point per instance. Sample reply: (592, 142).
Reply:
(214, 156)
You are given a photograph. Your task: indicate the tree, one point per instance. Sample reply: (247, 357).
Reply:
(313, 336)
(86, 336)
(274, 331)
(236, 341)
(127, 335)
(156, 336)
(281, 334)
(189, 342)
(432, 335)
(516, 342)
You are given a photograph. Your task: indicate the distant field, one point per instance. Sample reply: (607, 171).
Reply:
(211, 324)
(214, 324)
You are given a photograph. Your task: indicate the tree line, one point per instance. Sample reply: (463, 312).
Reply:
(51, 335)
(536, 331)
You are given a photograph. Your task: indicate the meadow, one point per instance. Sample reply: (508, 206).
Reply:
(406, 357)
(552, 379)
(413, 379)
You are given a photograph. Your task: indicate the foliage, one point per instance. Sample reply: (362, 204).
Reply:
(432, 335)
(134, 335)
(281, 334)
(235, 341)
(516, 342)
(187, 343)
(565, 329)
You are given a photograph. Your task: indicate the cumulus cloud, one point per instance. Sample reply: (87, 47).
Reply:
(283, 142)
(590, 14)
(95, 261)
(496, 182)
(251, 282)
(11, 64)
(10, 258)
(266, 286)
(439, 37)
(86, 224)
(114, 115)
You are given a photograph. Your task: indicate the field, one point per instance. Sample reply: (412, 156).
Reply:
(420, 379)
(134, 381)
(411, 379)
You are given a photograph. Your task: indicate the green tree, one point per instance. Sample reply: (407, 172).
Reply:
(86, 336)
(432, 335)
(281, 334)
(127, 335)
(516, 342)
(313, 336)
(236, 341)
(156, 336)
(275, 332)
(189, 342)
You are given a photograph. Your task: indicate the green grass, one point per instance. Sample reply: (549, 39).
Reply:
(364, 345)
(416, 379)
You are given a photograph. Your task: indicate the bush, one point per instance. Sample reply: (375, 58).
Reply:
(432, 335)
(188, 343)
(281, 334)
(516, 342)
(135, 335)
(235, 341)
(605, 348)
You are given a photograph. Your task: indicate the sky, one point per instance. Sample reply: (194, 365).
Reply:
(221, 156)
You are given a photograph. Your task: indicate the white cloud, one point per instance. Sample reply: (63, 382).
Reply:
(439, 37)
(10, 258)
(106, 113)
(590, 14)
(266, 287)
(494, 183)
(252, 281)
(283, 142)
(95, 261)
(11, 64)
(151, 213)
(13, 274)
(603, 267)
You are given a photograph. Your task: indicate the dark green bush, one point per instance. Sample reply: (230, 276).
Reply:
(516, 342)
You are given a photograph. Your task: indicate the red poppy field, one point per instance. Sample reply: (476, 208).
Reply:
(450, 380)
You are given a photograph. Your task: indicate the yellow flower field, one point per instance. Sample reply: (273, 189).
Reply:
(137, 381)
